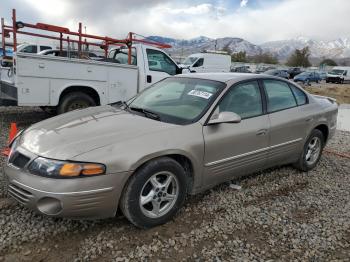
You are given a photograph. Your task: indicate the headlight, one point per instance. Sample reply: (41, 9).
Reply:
(13, 144)
(63, 169)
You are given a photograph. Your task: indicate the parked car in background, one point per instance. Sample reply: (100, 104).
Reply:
(339, 74)
(323, 75)
(307, 77)
(277, 72)
(207, 62)
(191, 133)
(294, 71)
(66, 53)
(241, 69)
(262, 69)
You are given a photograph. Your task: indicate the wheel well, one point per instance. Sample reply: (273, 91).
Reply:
(187, 165)
(185, 162)
(84, 89)
(324, 129)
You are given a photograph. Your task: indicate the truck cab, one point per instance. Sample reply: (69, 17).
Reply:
(153, 63)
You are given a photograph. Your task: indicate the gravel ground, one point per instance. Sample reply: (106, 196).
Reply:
(279, 215)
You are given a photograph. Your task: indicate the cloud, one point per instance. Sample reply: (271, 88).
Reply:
(243, 3)
(258, 22)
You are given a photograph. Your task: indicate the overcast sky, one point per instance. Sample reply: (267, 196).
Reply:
(255, 20)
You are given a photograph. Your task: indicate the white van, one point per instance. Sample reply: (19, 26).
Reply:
(207, 63)
(339, 74)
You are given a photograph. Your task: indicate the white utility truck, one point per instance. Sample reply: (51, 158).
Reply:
(208, 62)
(65, 84)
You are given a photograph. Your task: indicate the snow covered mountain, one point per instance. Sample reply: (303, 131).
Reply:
(202, 43)
(339, 48)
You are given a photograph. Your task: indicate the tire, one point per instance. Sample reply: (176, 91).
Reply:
(307, 82)
(307, 160)
(73, 101)
(143, 186)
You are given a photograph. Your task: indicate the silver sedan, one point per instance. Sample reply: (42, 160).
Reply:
(183, 135)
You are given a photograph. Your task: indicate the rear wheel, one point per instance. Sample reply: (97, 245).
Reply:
(154, 193)
(312, 151)
(73, 101)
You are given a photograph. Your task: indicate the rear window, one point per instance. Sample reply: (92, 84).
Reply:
(299, 95)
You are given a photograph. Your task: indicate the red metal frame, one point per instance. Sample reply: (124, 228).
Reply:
(17, 28)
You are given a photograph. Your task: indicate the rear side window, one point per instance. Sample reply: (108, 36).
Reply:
(299, 95)
(279, 96)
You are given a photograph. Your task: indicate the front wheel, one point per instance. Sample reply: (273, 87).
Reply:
(154, 193)
(312, 151)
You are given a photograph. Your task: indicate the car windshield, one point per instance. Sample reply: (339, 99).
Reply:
(336, 72)
(177, 100)
(190, 60)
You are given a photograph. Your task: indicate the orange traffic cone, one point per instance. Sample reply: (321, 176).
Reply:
(13, 132)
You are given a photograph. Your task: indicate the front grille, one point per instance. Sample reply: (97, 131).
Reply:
(18, 160)
(20, 194)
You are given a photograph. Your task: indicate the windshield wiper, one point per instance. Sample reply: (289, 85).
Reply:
(146, 112)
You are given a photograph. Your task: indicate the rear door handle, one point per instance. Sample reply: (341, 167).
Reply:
(261, 132)
(41, 65)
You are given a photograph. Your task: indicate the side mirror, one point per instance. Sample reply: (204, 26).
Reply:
(224, 117)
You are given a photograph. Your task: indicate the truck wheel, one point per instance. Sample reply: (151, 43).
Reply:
(154, 193)
(312, 151)
(73, 101)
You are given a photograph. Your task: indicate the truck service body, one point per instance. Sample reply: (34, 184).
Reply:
(46, 81)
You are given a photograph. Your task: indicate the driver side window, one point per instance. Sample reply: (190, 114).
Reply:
(243, 99)
(158, 61)
(199, 62)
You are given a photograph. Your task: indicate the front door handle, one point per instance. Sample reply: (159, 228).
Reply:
(261, 132)
(149, 79)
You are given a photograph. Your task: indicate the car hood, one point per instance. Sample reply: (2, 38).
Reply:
(69, 135)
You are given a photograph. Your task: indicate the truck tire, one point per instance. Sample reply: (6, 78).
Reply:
(73, 101)
(154, 194)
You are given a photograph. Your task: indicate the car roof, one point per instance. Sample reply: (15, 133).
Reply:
(226, 77)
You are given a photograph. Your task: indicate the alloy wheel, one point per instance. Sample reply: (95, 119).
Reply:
(159, 194)
(313, 150)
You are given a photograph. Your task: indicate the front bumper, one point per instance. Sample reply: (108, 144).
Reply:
(80, 198)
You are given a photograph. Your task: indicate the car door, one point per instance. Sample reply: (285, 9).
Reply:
(290, 117)
(158, 66)
(234, 149)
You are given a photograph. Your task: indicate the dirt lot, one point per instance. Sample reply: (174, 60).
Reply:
(279, 215)
(341, 92)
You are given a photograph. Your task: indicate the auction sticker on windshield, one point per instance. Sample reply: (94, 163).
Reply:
(201, 94)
